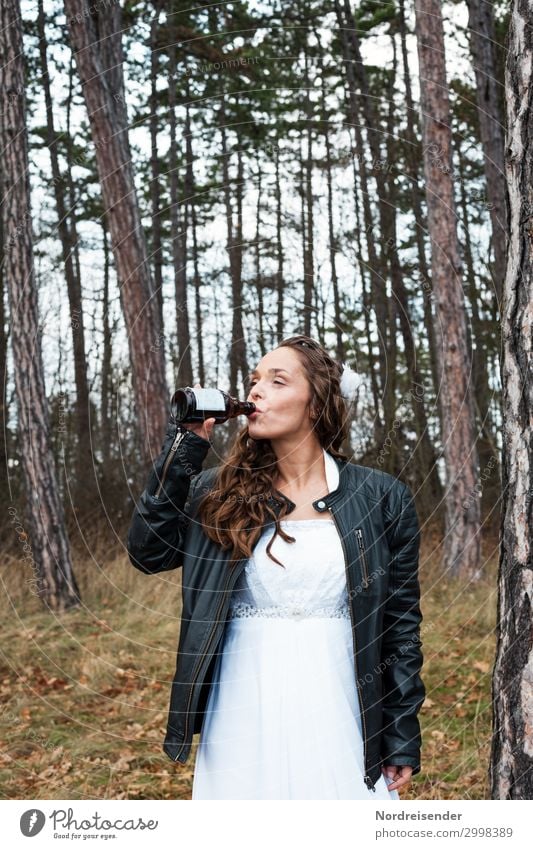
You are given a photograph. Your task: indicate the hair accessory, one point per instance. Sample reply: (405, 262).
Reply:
(350, 383)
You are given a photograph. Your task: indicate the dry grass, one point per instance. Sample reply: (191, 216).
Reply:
(84, 696)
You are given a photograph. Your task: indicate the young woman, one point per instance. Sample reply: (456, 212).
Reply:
(299, 655)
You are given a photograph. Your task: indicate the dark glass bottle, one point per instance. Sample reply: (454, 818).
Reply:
(196, 405)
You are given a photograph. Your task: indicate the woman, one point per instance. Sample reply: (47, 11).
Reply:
(299, 654)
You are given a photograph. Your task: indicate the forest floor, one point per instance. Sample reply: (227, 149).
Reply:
(84, 696)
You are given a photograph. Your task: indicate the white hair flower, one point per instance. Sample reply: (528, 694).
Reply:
(350, 383)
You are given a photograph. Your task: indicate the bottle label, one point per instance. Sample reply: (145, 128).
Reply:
(210, 399)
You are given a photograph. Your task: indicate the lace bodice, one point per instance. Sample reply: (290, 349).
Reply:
(312, 584)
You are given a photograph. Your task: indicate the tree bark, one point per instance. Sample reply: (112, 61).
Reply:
(462, 504)
(46, 546)
(487, 451)
(309, 254)
(73, 198)
(155, 190)
(95, 37)
(489, 111)
(370, 263)
(178, 235)
(414, 164)
(196, 263)
(85, 492)
(4, 411)
(377, 263)
(332, 241)
(237, 360)
(421, 468)
(258, 276)
(280, 283)
(511, 765)
(106, 366)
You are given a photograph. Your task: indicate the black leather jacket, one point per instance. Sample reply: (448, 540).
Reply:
(378, 525)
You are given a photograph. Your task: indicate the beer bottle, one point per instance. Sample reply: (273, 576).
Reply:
(196, 405)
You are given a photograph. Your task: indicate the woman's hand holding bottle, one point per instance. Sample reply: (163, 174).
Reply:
(202, 429)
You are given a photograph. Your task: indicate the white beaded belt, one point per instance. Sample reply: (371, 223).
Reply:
(241, 610)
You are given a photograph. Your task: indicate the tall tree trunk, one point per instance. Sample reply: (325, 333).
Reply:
(97, 45)
(332, 242)
(309, 253)
(196, 267)
(305, 312)
(357, 78)
(487, 450)
(155, 190)
(462, 505)
(45, 535)
(423, 468)
(279, 252)
(258, 277)
(84, 479)
(4, 413)
(190, 180)
(107, 354)
(414, 164)
(364, 264)
(511, 766)
(377, 263)
(72, 196)
(237, 360)
(178, 235)
(482, 40)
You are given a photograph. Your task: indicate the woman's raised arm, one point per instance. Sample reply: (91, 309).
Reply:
(160, 519)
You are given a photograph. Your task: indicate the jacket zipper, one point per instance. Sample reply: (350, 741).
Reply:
(168, 459)
(227, 589)
(364, 566)
(368, 781)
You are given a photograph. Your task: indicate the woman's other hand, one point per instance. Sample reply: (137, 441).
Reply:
(401, 775)
(202, 429)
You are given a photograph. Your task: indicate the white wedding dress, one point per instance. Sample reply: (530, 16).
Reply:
(282, 719)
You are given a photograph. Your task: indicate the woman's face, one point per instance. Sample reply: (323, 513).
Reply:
(281, 393)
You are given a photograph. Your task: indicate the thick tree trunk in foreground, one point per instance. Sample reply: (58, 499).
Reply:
(45, 544)
(511, 768)
(462, 502)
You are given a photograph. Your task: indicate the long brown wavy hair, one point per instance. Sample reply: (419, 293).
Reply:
(234, 511)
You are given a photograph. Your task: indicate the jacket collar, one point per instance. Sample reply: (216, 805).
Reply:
(335, 480)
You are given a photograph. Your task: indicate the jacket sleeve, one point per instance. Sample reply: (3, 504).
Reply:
(403, 689)
(160, 519)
